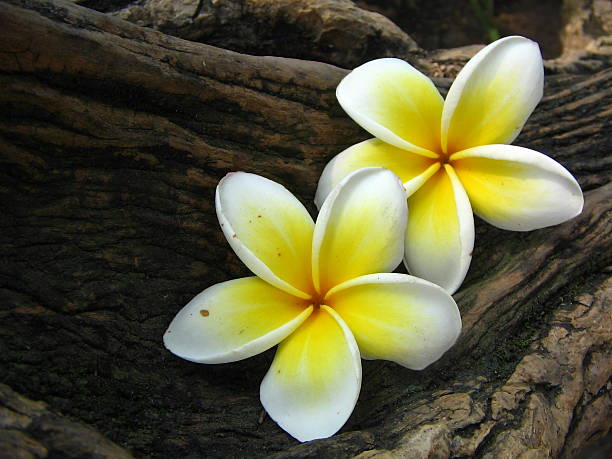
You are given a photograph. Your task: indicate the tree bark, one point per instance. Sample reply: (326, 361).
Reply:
(112, 140)
(332, 31)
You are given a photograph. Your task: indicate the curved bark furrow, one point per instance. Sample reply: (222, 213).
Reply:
(335, 31)
(112, 140)
(30, 430)
(179, 67)
(99, 121)
(340, 33)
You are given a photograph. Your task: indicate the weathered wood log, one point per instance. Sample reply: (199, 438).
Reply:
(340, 33)
(112, 140)
(332, 31)
(29, 430)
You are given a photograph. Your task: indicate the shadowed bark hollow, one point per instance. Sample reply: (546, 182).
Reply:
(112, 140)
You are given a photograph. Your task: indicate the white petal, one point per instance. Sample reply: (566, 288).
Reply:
(516, 188)
(234, 320)
(360, 228)
(371, 153)
(440, 232)
(394, 102)
(398, 317)
(314, 381)
(493, 95)
(269, 229)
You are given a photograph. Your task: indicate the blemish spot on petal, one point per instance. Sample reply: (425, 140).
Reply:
(204, 312)
(234, 235)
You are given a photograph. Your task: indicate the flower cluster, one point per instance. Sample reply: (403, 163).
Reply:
(324, 291)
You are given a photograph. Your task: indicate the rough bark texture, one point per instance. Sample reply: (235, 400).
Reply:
(333, 31)
(29, 430)
(577, 32)
(112, 140)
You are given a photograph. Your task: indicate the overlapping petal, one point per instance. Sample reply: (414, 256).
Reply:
(360, 228)
(234, 320)
(371, 153)
(493, 95)
(516, 188)
(394, 102)
(315, 378)
(440, 232)
(398, 317)
(268, 228)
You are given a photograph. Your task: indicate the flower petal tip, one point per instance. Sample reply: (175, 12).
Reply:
(398, 317)
(309, 391)
(375, 96)
(249, 205)
(234, 320)
(359, 228)
(518, 189)
(493, 95)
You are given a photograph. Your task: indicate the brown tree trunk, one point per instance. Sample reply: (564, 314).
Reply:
(112, 140)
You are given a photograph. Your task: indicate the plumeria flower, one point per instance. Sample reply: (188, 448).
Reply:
(453, 155)
(322, 290)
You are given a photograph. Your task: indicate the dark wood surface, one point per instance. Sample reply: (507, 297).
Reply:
(112, 140)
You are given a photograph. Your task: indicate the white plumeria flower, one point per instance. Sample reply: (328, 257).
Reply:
(452, 153)
(323, 291)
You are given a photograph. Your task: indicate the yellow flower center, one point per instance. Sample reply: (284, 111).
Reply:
(443, 159)
(316, 300)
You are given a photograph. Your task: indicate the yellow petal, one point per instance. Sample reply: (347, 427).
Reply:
(493, 95)
(398, 317)
(516, 188)
(417, 182)
(394, 102)
(360, 228)
(269, 229)
(234, 320)
(440, 233)
(314, 381)
(370, 153)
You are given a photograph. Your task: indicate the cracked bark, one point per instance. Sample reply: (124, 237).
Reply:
(112, 140)
(332, 31)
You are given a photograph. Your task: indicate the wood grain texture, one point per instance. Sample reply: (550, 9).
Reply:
(112, 140)
(334, 31)
(29, 430)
